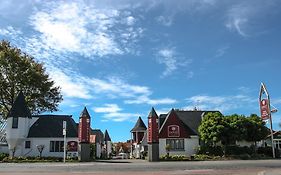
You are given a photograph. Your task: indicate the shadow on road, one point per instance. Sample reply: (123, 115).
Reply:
(113, 161)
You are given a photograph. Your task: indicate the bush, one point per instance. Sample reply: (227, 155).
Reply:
(210, 150)
(174, 158)
(237, 150)
(267, 151)
(206, 157)
(32, 159)
(3, 155)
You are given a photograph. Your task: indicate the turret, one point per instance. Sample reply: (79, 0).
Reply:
(84, 136)
(153, 130)
(138, 131)
(18, 123)
(84, 126)
(152, 136)
(107, 144)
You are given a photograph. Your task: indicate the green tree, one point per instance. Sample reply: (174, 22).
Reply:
(212, 128)
(235, 129)
(20, 72)
(256, 129)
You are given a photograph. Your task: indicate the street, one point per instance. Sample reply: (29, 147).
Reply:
(140, 167)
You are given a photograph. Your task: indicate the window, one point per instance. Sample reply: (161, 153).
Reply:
(176, 144)
(27, 144)
(56, 146)
(15, 122)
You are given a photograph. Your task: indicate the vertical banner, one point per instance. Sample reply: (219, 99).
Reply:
(266, 112)
(264, 108)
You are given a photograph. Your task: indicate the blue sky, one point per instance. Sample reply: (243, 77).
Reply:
(120, 58)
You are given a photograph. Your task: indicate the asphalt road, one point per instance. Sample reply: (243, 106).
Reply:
(139, 167)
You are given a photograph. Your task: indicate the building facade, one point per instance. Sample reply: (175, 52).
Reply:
(42, 135)
(177, 132)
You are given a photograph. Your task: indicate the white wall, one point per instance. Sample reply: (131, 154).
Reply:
(4, 149)
(244, 143)
(98, 150)
(136, 151)
(109, 147)
(15, 136)
(190, 146)
(33, 151)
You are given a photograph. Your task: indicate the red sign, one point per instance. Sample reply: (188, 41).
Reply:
(149, 134)
(173, 131)
(84, 130)
(264, 107)
(152, 135)
(72, 146)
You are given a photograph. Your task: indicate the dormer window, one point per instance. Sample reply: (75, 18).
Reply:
(15, 122)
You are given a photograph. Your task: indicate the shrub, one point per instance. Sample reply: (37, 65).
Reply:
(267, 151)
(210, 150)
(174, 158)
(3, 155)
(237, 150)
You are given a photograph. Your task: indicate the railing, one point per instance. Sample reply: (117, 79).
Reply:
(3, 124)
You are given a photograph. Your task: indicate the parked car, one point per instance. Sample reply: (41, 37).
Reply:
(121, 156)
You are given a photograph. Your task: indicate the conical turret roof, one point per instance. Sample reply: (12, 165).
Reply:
(139, 126)
(153, 113)
(85, 113)
(19, 108)
(106, 136)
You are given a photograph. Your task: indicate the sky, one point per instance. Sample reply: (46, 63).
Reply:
(121, 58)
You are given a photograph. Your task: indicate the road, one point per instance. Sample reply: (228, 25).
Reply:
(139, 167)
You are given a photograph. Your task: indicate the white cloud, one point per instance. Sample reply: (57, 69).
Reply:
(221, 51)
(147, 100)
(75, 85)
(131, 20)
(108, 108)
(10, 31)
(113, 113)
(172, 60)
(166, 21)
(119, 117)
(71, 87)
(222, 103)
(242, 14)
(66, 28)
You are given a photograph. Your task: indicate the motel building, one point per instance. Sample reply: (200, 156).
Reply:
(177, 128)
(28, 135)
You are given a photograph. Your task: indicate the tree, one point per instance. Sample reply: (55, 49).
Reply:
(212, 128)
(20, 72)
(256, 129)
(235, 129)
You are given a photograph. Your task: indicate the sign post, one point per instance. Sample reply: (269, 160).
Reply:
(64, 140)
(266, 112)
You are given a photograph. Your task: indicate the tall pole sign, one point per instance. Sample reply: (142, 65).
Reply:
(64, 140)
(266, 111)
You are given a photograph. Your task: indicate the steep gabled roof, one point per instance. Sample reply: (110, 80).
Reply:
(51, 126)
(99, 135)
(85, 113)
(139, 126)
(191, 119)
(106, 136)
(19, 108)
